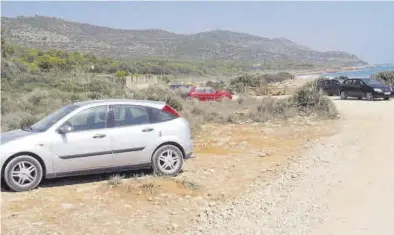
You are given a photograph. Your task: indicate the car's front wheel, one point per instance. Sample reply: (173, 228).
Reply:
(386, 98)
(369, 96)
(343, 95)
(167, 160)
(23, 173)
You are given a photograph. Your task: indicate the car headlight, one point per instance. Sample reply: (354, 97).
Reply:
(377, 90)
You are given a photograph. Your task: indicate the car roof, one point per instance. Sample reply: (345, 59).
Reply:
(150, 103)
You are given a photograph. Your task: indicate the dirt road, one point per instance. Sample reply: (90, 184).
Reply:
(344, 184)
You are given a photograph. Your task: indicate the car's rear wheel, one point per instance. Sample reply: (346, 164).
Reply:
(343, 95)
(167, 160)
(369, 96)
(386, 98)
(23, 173)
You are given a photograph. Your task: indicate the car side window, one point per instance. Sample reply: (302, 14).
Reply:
(89, 119)
(348, 82)
(199, 90)
(128, 115)
(157, 116)
(356, 82)
(210, 90)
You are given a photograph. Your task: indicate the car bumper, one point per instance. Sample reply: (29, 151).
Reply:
(188, 149)
(382, 95)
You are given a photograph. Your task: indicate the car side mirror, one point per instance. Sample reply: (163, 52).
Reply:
(64, 129)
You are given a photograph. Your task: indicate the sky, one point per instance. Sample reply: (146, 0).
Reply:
(365, 29)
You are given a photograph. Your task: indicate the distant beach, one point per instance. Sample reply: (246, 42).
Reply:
(364, 72)
(360, 71)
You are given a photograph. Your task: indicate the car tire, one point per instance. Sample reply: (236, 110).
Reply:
(359, 98)
(343, 95)
(369, 96)
(167, 161)
(23, 173)
(386, 98)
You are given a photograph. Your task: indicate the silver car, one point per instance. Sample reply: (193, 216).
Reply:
(95, 137)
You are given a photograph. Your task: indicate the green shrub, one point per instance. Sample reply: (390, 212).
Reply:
(257, 83)
(308, 100)
(387, 77)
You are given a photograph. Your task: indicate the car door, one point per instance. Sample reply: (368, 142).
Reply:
(211, 93)
(336, 85)
(87, 146)
(347, 87)
(131, 134)
(199, 93)
(357, 88)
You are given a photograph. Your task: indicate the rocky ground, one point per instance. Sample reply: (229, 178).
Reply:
(300, 177)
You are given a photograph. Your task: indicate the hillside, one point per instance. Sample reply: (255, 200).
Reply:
(220, 45)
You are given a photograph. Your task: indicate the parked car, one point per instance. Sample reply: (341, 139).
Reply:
(179, 86)
(208, 93)
(365, 87)
(329, 86)
(96, 137)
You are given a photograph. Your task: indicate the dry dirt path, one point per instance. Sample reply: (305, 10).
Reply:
(344, 184)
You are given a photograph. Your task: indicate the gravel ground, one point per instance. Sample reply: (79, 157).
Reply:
(342, 185)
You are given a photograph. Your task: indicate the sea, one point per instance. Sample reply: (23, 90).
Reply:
(362, 73)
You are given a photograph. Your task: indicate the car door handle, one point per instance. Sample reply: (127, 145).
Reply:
(98, 136)
(147, 129)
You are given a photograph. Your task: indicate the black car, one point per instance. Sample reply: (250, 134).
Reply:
(365, 87)
(329, 86)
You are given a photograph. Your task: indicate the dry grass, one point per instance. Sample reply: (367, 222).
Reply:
(24, 106)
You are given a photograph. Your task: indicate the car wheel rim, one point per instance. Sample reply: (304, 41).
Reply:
(369, 96)
(169, 161)
(343, 95)
(23, 174)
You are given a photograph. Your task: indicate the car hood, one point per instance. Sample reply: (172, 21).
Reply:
(14, 135)
(381, 86)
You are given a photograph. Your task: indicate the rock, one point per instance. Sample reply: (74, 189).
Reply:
(174, 226)
(150, 198)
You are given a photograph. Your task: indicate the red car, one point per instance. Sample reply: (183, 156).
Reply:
(208, 93)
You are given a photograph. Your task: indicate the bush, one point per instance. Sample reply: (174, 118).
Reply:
(308, 100)
(387, 77)
(258, 84)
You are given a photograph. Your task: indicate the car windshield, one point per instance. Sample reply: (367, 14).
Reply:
(45, 123)
(371, 82)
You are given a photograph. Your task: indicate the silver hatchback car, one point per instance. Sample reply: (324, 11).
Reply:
(96, 137)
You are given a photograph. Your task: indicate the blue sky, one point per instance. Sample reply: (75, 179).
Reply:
(363, 28)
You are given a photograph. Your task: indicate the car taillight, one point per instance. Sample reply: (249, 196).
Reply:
(170, 110)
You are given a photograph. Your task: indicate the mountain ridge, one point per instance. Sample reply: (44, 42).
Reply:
(216, 45)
